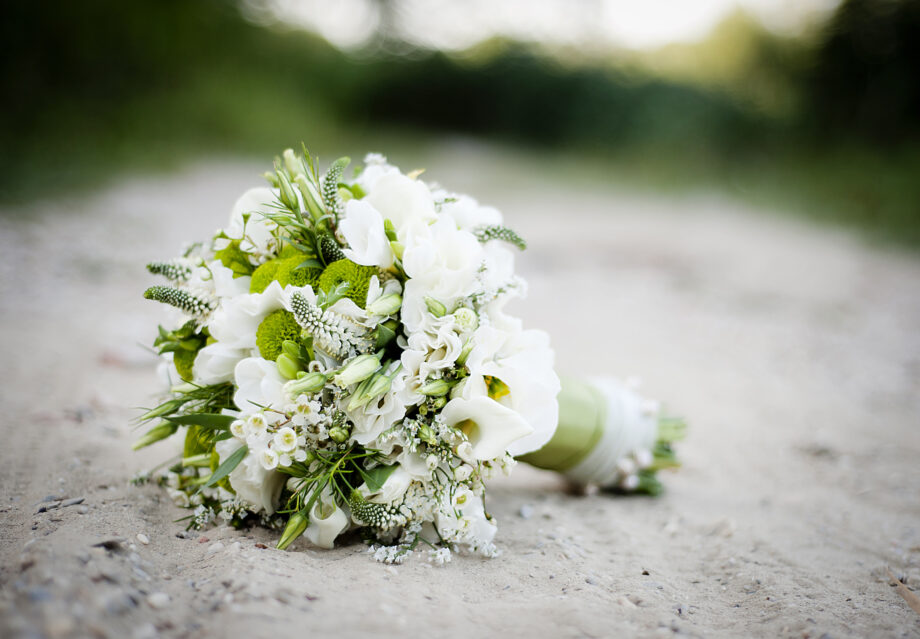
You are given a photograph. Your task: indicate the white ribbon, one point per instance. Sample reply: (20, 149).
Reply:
(631, 426)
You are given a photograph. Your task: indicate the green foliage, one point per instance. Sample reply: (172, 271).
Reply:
(235, 259)
(357, 277)
(277, 327)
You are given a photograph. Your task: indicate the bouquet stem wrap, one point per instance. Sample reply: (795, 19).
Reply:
(608, 435)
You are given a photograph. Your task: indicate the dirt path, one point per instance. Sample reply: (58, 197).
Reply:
(793, 351)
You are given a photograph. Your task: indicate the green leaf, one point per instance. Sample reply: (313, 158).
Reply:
(228, 466)
(205, 420)
(377, 476)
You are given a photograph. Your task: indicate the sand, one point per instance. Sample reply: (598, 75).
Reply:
(793, 351)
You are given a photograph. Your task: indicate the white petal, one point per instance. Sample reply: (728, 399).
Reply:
(491, 427)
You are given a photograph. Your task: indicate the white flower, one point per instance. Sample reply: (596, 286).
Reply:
(524, 362)
(463, 518)
(402, 200)
(249, 225)
(467, 212)
(215, 362)
(442, 261)
(285, 440)
(327, 521)
(393, 488)
(490, 427)
(269, 459)
(238, 429)
(259, 385)
(362, 228)
(375, 167)
(258, 487)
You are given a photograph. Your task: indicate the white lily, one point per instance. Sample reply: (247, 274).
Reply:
(490, 427)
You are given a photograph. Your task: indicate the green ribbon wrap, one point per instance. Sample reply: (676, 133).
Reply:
(582, 419)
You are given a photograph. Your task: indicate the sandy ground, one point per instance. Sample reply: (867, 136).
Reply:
(793, 351)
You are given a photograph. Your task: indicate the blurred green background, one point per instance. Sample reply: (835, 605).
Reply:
(822, 119)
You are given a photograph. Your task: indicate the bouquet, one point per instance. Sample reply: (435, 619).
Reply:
(341, 359)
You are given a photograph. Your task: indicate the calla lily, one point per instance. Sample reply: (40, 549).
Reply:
(327, 521)
(490, 427)
(393, 488)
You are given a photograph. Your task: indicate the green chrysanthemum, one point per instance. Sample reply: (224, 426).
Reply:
(357, 276)
(274, 329)
(184, 359)
(263, 276)
(235, 259)
(290, 272)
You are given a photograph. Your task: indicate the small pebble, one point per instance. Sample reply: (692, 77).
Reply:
(526, 511)
(158, 600)
(144, 539)
(215, 547)
(83, 510)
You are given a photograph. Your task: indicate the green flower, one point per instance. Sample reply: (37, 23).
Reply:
(358, 278)
(274, 329)
(263, 276)
(289, 273)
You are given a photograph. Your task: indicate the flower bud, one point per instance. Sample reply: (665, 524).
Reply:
(434, 388)
(463, 472)
(371, 389)
(398, 249)
(292, 349)
(357, 370)
(385, 305)
(466, 318)
(389, 229)
(435, 307)
(155, 434)
(287, 366)
(309, 383)
(439, 403)
(426, 434)
(465, 352)
(286, 193)
(338, 434)
(296, 525)
(291, 163)
(384, 335)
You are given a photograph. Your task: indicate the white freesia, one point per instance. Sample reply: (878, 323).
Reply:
(253, 484)
(490, 427)
(327, 521)
(215, 362)
(375, 167)
(362, 227)
(235, 322)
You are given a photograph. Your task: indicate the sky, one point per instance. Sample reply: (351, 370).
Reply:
(459, 24)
